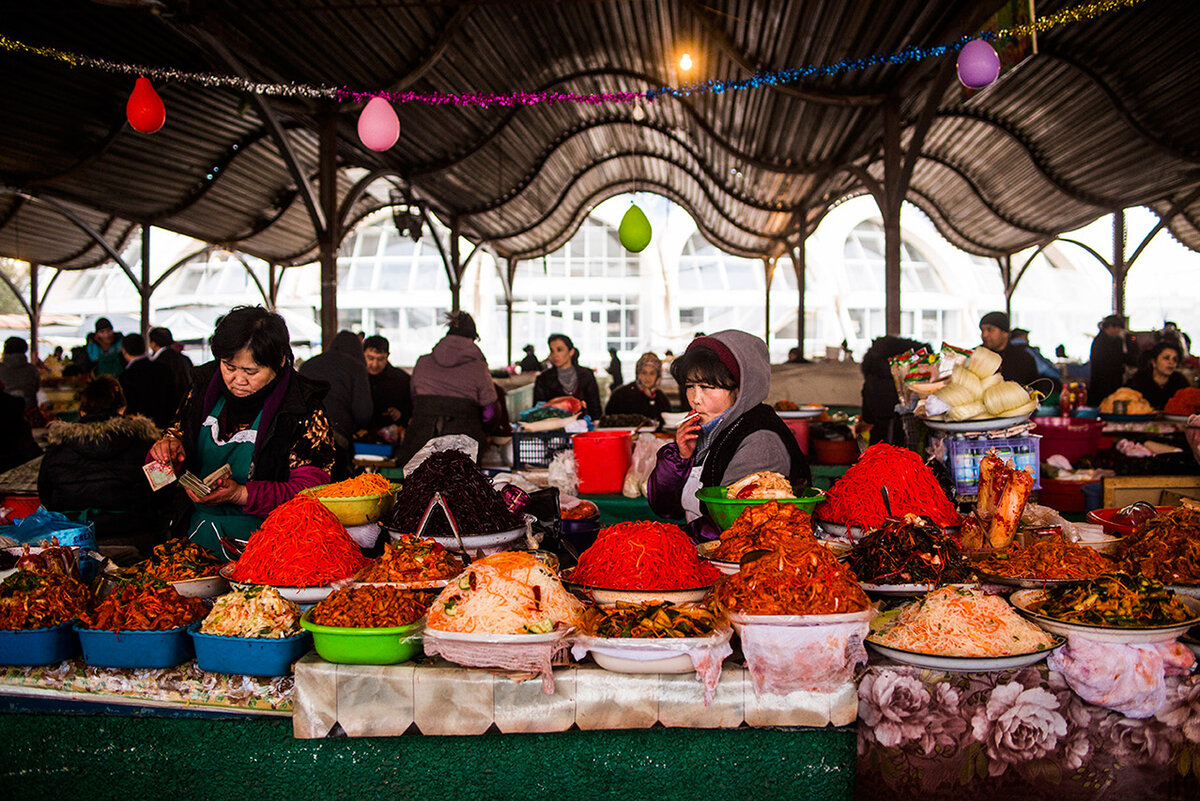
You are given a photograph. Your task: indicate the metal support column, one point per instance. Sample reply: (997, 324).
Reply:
(800, 267)
(145, 289)
(768, 274)
(1119, 267)
(35, 312)
(329, 234)
(272, 285)
(456, 270)
(894, 188)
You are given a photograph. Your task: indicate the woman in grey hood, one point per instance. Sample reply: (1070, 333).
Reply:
(726, 377)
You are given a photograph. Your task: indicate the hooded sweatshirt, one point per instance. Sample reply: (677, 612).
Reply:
(455, 368)
(343, 367)
(749, 437)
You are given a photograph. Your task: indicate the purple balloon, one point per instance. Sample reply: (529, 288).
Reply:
(978, 64)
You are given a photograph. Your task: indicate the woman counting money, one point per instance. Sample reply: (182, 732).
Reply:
(250, 410)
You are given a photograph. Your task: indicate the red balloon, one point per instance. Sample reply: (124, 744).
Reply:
(145, 110)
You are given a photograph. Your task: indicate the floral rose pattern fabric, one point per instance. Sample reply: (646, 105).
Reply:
(1018, 735)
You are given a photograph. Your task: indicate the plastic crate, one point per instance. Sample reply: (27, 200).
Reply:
(964, 455)
(537, 448)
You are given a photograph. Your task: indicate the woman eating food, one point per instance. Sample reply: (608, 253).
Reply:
(251, 411)
(730, 434)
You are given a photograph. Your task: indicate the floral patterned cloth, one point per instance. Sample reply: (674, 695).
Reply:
(185, 685)
(1018, 735)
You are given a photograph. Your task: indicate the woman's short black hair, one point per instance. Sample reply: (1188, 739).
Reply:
(263, 332)
(101, 395)
(700, 365)
(566, 340)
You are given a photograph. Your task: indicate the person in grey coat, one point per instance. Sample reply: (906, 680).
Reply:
(18, 376)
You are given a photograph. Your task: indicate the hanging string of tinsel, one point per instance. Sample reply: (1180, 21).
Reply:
(791, 75)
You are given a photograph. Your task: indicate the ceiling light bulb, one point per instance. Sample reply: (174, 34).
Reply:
(685, 62)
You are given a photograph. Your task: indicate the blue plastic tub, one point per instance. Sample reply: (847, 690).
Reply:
(47, 646)
(135, 649)
(248, 656)
(373, 449)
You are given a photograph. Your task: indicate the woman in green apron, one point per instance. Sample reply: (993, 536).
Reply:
(250, 410)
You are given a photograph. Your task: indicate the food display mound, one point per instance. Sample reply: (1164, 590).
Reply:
(300, 544)
(724, 509)
(37, 599)
(1183, 403)
(508, 593)
(767, 526)
(856, 499)
(800, 578)
(908, 552)
(190, 569)
(259, 612)
(960, 622)
(1136, 404)
(656, 638)
(642, 558)
(370, 607)
(1166, 547)
(1115, 608)
(356, 501)
(1045, 561)
(143, 607)
(411, 560)
(476, 505)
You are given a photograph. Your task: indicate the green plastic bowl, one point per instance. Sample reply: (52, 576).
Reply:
(726, 510)
(347, 646)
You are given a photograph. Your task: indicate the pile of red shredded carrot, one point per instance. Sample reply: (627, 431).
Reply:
(643, 555)
(855, 499)
(357, 487)
(300, 544)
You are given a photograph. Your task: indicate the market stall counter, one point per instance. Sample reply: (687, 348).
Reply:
(436, 698)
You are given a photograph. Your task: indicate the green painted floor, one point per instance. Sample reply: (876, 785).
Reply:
(51, 756)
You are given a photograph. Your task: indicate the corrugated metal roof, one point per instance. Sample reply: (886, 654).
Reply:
(1103, 118)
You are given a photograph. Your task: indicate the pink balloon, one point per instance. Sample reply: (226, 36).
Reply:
(378, 125)
(144, 109)
(978, 64)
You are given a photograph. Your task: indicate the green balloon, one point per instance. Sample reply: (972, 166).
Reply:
(634, 231)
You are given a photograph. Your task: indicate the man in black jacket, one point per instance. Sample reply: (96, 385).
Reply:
(163, 351)
(1015, 363)
(391, 387)
(147, 384)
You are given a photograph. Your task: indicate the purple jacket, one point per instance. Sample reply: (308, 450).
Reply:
(664, 491)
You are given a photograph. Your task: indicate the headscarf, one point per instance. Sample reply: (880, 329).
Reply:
(643, 360)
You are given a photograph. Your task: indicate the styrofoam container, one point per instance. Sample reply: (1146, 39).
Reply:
(248, 656)
(135, 649)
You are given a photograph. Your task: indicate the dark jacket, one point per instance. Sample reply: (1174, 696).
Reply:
(293, 431)
(1109, 358)
(391, 388)
(180, 368)
(149, 391)
(20, 378)
(1017, 365)
(17, 445)
(1156, 396)
(547, 386)
(343, 367)
(879, 396)
(97, 464)
(630, 399)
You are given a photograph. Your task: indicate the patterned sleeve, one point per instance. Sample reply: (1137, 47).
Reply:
(314, 446)
(176, 428)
